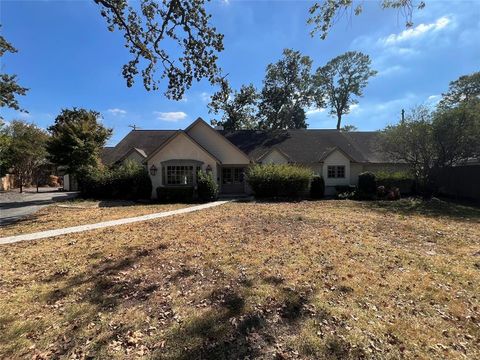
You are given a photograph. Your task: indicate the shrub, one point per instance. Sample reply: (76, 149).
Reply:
(207, 187)
(179, 194)
(129, 181)
(367, 184)
(317, 187)
(346, 191)
(279, 180)
(52, 181)
(399, 179)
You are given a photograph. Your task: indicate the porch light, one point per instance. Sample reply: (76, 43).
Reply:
(209, 169)
(153, 170)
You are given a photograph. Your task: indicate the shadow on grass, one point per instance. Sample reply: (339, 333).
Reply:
(432, 208)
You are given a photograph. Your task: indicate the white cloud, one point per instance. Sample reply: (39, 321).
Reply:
(392, 70)
(416, 32)
(313, 111)
(117, 112)
(172, 116)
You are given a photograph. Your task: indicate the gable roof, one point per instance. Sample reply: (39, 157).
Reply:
(298, 145)
(145, 140)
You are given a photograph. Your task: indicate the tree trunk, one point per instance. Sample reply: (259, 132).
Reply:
(21, 184)
(339, 121)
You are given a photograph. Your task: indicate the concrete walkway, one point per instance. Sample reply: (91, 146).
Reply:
(80, 228)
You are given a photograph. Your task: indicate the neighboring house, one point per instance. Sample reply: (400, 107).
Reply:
(173, 157)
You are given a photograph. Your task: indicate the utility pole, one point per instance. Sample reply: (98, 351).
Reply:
(403, 115)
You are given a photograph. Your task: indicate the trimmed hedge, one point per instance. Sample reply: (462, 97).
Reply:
(279, 180)
(129, 181)
(401, 180)
(317, 187)
(179, 194)
(367, 186)
(207, 187)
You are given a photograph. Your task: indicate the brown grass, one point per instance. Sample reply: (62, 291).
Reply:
(81, 212)
(328, 279)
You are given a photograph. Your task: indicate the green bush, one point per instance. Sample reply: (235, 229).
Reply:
(129, 181)
(401, 180)
(279, 180)
(207, 187)
(179, 194)
(317, 187)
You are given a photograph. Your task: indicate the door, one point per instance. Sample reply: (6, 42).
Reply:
(233, 180)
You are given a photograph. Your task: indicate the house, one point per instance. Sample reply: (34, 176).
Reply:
(173, 157)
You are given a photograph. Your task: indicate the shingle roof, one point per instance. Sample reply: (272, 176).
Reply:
(300, 145)
(144, 140)
(308, 145)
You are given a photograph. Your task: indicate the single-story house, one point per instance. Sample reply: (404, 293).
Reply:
(173, 157)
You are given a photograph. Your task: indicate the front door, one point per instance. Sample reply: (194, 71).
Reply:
(233, 180)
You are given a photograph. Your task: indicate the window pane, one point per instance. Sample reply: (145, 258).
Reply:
(340, 171)
(331, 171)
(179, 175)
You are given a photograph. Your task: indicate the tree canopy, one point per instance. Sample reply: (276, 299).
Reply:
(239, 108)
(287, 91)
(340, 80)
(77, 138)
(463, 90)
(170, 39)
(25, 150)
(324, 15)
(9, 88)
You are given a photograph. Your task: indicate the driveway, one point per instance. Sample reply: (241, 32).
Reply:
(15, 206)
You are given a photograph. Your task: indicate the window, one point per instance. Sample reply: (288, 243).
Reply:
(180, 175)
(336, 172)
(232, 175)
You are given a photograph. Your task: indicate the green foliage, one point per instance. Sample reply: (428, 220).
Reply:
(323, 15)
(77, 137)
(287, 92)
(9, 88)
(129, 181)
(278, 180)
(155, 30)
(24, 150)
(239, 108)
(207, 187)
(5, 140)
(179, 194)
(465, 89)
(317, 187)
(456, 133)
(367, 185)
(340, 80)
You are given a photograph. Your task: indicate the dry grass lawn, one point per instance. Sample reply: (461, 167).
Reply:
(307, 280)
(81, 212)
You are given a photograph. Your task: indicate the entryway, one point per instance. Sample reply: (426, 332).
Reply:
(233, 180)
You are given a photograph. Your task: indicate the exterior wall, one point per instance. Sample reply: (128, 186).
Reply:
(355, 170)
(135, 156)
(70, 183)
(274, 157)
(217, 144)
(336, 158)
(180, 148)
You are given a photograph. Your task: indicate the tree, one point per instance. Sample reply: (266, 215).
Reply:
(4, 144)
(239, 108)
(287, 91)
(411, 141)
(456, 133)
(340, 80)
(9, 87)
(26, 150)
(325, 14)
(463, 90)
(348, 128)
(77, 139)
(154, 30)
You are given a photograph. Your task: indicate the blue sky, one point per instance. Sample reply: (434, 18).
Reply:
(68, 58)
